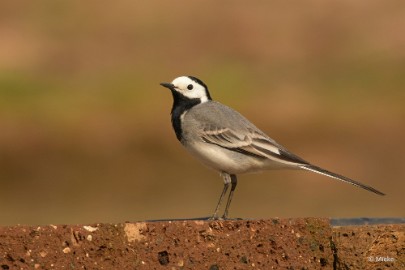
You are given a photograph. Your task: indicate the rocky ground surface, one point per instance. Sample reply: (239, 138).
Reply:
(302, 243)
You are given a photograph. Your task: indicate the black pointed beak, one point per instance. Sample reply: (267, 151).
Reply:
(168, 85)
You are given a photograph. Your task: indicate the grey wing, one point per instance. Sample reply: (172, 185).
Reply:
(218, 124)
(250, 142)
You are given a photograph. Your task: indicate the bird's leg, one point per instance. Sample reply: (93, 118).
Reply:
(227, 181)
(234, 182)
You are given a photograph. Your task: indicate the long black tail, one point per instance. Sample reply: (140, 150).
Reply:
(319, 170)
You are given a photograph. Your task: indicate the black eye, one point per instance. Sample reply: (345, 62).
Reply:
(190, 87)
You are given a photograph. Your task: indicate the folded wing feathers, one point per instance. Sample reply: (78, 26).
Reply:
(252, 143)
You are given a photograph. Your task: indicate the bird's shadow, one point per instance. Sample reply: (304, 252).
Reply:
(210, 218)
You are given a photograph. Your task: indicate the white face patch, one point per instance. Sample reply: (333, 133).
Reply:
(204, 99)
(190, 88)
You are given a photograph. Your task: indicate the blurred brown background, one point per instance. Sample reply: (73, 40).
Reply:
(85, 133)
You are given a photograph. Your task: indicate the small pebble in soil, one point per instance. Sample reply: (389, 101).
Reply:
(163, 257)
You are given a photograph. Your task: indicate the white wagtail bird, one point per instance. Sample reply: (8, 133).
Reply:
(226, 141)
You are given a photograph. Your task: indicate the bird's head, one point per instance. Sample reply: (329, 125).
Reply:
(188, 87)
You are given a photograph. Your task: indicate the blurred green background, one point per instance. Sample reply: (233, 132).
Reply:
(85, 132)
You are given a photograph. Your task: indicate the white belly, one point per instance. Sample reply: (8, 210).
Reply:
(228, 161)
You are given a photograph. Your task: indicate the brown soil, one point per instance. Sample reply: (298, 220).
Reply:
(370, 247)
(308, 243)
